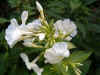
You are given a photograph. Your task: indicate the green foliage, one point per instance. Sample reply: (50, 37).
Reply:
(79, 56)
(88, 2)
(85, 13)
(3, 20)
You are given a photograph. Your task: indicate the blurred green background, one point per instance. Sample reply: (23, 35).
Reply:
(85, 13)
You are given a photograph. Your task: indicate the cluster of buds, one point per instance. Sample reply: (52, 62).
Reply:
(56, 52)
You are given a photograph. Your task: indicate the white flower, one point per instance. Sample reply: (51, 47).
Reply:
(65, 27)
(31, 65)
(39, 6)
(56, 53)
(16, 32)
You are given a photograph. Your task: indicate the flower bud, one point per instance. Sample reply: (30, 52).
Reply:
(39, 7)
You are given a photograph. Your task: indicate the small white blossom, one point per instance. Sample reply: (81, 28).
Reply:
(41, 36)
(39, 6)
(56, 53)
(14, 33)
(31, 65)
(66, 27)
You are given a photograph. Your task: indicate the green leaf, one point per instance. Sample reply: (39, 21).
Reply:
(61, 68)
(85, 67)
(3, 63)
(49, 70)
(79, 56)
(88, 2)
(3, 20)
(98, 71)
(94, 27)
(82, 29)
(74, 4)
(14, 3)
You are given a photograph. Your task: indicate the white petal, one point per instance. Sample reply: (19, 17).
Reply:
(51, 57)
(26, 60)
(74, 33)
(29, 42)
(41, 36)
(35, 25)
(66, 54)
(59, 26)
(24, 17)
(68, 38)
(14, 22)
(60, 47)
(24, 57)
(31, 65)
(12, 35)
(36, 69)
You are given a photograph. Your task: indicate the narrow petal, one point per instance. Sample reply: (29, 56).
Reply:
(26, 60)
(34, 25)
(24, 17)
(29, 42)
(36, 69)
(12, 35)
(14, 22)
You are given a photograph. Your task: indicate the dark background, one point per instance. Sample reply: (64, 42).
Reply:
(85, 13)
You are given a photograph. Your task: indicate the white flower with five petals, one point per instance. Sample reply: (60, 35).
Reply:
(57, 53)
(66, 27)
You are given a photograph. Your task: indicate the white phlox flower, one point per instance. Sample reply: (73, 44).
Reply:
(16, 32)
(31, 65)
(57, 53)
(66, 27)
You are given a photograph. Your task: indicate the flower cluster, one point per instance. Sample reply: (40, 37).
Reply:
(26, 32)
(56, 52)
